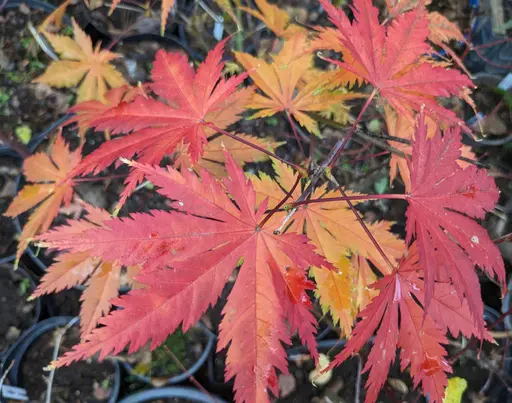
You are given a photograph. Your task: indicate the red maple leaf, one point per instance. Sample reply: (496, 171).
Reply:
(392, 58)
(187, 257)
(192, 99)
(443, 200)
(403, 323)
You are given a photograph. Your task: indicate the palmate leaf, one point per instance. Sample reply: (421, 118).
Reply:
(400, 126)
(187, 257)
(81, 62)
(157, 128)
(402, 323)
(47, 190)
(392, 59)
(442, 202)
(287, 86)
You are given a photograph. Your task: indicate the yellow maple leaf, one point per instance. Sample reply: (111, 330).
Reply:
(285, 87)
(345, 292)
(81, 62)
(276, 19)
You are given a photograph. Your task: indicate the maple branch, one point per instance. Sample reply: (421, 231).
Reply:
(100, 178)
(295, 133)
(349, 198)
(256, 147)
(283, 201)
(363, 224)
(332, 157)
(191, 377)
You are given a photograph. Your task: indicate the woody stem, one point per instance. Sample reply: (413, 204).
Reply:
(349, 198)
(255, 146)
(282, 202)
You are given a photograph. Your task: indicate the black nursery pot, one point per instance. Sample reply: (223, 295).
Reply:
(27, 356)
(210, 341)
(182, 393)
(15, 312)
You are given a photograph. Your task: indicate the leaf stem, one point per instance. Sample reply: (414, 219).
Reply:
(329, 161)
(349, 198)
(100, 178)
(255, 146)
(283, 201)
(363, 224)
(297, 138)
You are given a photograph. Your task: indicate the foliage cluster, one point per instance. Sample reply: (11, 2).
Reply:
(285, 236)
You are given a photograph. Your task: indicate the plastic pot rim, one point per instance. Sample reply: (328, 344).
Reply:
(190, 371)
(183, 392)
(17, 352)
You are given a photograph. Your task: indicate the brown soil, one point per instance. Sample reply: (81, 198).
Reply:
(16, 314)
(83, 382)
(9, 170)
(21, 102)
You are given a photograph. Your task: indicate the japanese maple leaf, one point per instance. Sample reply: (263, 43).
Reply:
(81, 63)
(157, 128)
(276, 19)
(401, 322)
(391, 59)
(102, 278)
(282, 86)
(86, 112)
(400, 126)
(187, 256)
(335, 232)
(214, 157)
(442, 202)
(46, 192)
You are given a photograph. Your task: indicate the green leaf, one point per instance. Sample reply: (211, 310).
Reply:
(24, 134)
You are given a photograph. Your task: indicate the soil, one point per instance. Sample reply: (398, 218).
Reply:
(23, 103)
(83, 382)
(9, 170)
(160, 365)
(16, 314)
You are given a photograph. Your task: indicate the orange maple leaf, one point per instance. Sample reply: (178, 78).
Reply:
(283, 84)
(188, 254)
(81, 63)
(48, 190)
(336, 233)
(73, 268)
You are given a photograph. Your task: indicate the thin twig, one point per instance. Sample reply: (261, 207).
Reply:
(358, 379)
(255, 146)
(4, 376)
(191, 377)
(58, 341)
(282, 202)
